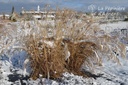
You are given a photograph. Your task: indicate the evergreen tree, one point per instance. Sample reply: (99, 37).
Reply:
(13, 9)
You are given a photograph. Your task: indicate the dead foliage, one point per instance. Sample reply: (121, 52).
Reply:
(1, 28)
(45, 60)
(76, 41)
(1, 25)
(79, 53)
(50, 61)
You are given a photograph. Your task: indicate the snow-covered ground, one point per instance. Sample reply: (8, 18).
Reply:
(109, 27)
(120, 29)
(109, 74)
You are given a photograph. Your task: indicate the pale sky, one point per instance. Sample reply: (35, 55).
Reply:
(81, 5)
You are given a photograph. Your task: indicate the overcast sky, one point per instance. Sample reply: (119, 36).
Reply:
(81, 5)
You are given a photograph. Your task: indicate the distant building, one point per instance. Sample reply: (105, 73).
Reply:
(4, 16)
(38, 14)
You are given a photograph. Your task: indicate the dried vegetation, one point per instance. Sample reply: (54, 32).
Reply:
(68, 44)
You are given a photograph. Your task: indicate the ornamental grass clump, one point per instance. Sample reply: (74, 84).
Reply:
(69, 43)
(46, 60)
(75, 43)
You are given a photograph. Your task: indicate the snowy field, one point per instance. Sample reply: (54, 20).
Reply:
(109, 27)
(109, 74)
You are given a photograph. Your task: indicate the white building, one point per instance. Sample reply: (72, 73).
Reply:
(38, 14)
